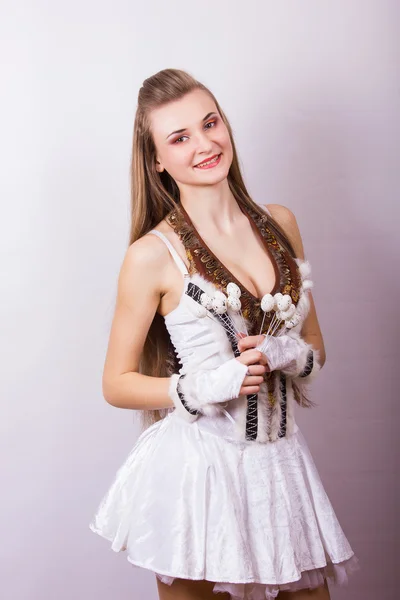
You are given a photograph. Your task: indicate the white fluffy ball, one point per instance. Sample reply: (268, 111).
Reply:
(295, 320)
(233, 290)
(284, 302)
(288, 314)
(267, 303)
(206, 300)
(234, 303)
(219, 303)
(305, 269)
(307, 284)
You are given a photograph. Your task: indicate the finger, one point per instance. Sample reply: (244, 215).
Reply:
(249, 341)
(263, 360)
(253, 380)
(251, 357)
(257, 369)
(240, 334)
(249, 389)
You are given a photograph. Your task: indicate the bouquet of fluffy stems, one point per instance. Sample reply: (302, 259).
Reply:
(202, 390)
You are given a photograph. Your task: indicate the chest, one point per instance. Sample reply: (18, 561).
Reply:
(253, 259)
(247, 260)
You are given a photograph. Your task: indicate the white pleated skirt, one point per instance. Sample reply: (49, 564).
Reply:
(253, 518)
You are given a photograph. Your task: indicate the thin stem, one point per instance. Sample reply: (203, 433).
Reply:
(244, 322)
(262, 324)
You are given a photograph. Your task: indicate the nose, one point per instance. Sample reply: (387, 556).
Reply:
(204, 143)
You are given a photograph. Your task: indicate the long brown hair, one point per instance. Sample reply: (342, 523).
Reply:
(154, 195)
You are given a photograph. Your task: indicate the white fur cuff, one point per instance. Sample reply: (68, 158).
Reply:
(182, 412)
(207, 390)
(306, 365)
(312, 367)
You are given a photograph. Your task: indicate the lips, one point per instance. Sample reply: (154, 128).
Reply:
(214, 156)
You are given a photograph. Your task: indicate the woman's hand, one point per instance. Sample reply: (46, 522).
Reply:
(286, 353)
(249, 341)
(256, 369)
(197, 391)
(257, 365)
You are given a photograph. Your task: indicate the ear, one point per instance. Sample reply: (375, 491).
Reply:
(159, 166)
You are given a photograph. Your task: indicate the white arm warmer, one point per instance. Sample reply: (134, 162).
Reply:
(196, 392)
(289, 354)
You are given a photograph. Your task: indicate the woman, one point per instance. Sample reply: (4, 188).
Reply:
(214, 338)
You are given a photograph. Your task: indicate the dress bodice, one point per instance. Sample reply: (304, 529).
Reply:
(202, 343)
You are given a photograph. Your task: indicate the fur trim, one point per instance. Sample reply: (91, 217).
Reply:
(276, 409)
(307, 284)
(210, 288)
(303, 304)
(179, 408)
(190, 393)
(304, 268)
(213, 410)
(263, 414)
(315, 369)
(290, 402)
(209, 388)
(301, 360)
(240, 322)
(203, 283)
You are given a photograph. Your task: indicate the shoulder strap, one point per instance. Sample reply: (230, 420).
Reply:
(264, 207)
(179, 262)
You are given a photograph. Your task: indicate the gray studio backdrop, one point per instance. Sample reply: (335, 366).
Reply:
(312, 92)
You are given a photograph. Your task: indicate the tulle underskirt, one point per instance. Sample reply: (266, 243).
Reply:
(337, 574)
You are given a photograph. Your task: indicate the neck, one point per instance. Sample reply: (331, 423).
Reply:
(211, 209)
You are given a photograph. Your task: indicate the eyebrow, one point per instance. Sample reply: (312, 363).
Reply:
(208, 115)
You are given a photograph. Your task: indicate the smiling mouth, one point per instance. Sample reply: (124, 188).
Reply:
(209, 162)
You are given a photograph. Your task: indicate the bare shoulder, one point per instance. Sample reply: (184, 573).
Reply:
(144, 253)
(283, 215)
(287, 220)
(143, 266)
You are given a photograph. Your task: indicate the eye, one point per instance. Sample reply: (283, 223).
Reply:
(213, 123)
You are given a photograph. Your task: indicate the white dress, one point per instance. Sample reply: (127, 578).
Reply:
(192, 501)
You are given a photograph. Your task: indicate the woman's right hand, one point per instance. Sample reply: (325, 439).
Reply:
(257, 366)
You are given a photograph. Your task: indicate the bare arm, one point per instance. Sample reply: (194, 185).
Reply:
(141, 283)
(310, 331)
(138, 296)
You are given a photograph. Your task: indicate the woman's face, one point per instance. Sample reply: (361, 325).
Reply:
(188, 132)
